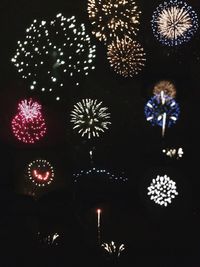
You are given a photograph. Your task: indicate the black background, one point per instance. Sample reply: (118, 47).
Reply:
(152, 235)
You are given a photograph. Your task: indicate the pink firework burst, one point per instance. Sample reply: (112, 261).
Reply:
(28, 125)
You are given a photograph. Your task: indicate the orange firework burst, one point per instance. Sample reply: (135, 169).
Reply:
(167, 87)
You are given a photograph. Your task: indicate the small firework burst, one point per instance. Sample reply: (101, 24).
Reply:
(174, 22)
(113, 249)
(126, 57)
(90, 119)
(53, 54)
(167, 87)
(48, 240)
(40, 172)
(162, 110)
(162, 190)
(113, 18)
(176, 153)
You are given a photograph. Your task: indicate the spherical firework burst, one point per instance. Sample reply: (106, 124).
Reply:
(28, 125)
(54, 54)
(40, 172)
(113, 18)
(162, 110)
(165, 86)
(89, 118)
(174, 22)
(126, 57)
(162, 190)
(94, 172)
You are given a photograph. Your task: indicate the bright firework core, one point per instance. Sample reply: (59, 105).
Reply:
(126, 57)
(174, 22)
(162, 190)
(90, 119)
(40, 172)
(52, 52)
(113, 18)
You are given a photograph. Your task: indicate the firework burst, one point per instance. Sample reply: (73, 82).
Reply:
(162, 190)
(40, 172)
(90, 119)
(113, 18)
(174, 22)
(126, 57)
(162, 110)
(113, 249)
(165, 86)
(28, 125)
(54, 54)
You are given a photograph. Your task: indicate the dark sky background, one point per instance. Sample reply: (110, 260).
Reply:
(153, 235)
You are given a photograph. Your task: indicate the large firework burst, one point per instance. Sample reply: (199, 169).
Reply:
(174, 22)
(162, 190)
(113, 18)
(90, 119)
(126, 56)
(52, 52)
(165, 86)
(162, 110)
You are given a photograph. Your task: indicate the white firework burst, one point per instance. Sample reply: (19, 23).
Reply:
(162, 190)
(113, 249)
(90, 118)
(53, 54)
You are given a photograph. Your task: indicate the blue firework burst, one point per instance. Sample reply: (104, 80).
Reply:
(174, 22)
(156, 108)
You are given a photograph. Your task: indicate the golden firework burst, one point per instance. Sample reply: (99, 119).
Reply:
(167, 87)
(126, 56)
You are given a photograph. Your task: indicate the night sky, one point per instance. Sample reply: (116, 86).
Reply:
(153, 235)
